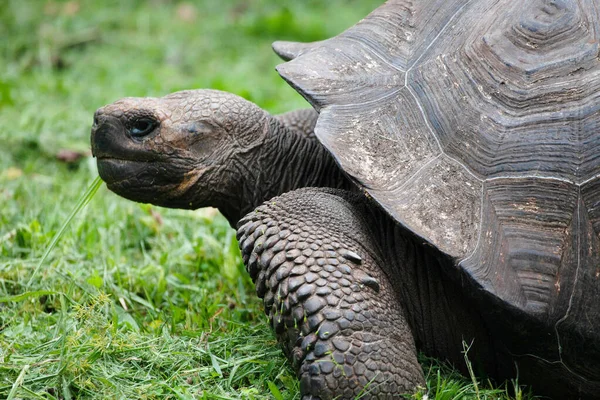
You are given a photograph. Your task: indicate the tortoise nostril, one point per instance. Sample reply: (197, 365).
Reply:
(97, 118)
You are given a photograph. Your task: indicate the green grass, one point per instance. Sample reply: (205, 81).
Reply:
(136, 301)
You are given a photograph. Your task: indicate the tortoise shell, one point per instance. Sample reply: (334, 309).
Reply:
(475, 125)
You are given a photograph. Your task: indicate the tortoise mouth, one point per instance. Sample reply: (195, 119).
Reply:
(140, 181)
(156, 182)
(114, 170)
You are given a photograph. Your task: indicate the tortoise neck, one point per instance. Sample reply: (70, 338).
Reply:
(286, 161)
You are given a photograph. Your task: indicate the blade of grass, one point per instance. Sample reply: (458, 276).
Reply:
(83, 201)
(26, 295)
(274, 390)
(466, 348)
(18, 382)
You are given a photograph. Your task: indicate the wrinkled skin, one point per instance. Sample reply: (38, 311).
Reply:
(349, 293)
(207, 148)
(302, 121)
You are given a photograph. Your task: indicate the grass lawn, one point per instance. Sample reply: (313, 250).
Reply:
(138, 302)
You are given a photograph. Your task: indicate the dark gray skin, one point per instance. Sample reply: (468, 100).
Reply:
(302, 121)
(350, 294)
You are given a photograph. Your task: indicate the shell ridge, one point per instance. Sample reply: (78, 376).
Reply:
(437, 37)
(373, 52)
(576, 280)
(478, 243)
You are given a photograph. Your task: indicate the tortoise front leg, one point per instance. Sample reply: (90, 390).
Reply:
(330, 304)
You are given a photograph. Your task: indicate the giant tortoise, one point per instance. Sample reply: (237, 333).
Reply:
(451, 196)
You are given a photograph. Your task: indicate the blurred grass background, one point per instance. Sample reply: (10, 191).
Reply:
(136, 302)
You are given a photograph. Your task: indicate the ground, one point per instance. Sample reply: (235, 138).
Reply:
(136, 301)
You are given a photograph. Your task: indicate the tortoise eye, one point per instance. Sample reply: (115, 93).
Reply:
(142, 127)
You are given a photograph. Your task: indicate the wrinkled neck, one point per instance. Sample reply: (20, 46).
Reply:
(285, 161)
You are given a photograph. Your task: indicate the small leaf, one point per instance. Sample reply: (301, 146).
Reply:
(215, 365)
(127, 320)
(95, 281)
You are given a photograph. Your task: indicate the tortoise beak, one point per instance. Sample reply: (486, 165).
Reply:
(107, 134)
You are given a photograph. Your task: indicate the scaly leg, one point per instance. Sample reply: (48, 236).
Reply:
(329, 302)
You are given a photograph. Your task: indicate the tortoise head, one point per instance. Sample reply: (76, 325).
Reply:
(179, 150)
